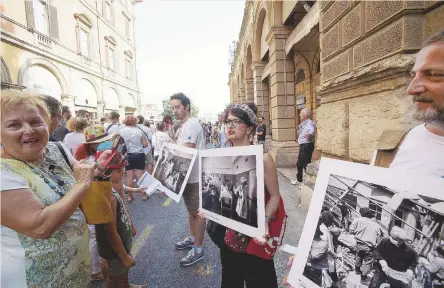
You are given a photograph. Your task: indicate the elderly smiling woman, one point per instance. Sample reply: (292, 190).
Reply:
(44, 233)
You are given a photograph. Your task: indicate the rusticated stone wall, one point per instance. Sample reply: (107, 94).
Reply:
(367, 51)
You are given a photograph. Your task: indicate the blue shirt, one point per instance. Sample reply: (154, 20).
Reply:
(305, 128)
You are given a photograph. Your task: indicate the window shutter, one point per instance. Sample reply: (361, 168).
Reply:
(116, 61)
(133, 71)
(29, 10)
(113, 15)
(53, 22)
(92, 44)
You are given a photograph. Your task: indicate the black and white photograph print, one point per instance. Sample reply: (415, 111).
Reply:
(372, 230)
(229, 188)
(173, 169)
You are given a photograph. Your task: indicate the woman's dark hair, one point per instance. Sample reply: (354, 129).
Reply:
(167, 118)
(160, 126)
(242, 115)
(147, 123)
(183, 99)
(140, 118)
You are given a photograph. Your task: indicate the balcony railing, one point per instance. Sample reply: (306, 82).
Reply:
(43, 40)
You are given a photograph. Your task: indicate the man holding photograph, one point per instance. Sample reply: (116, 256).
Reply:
(191, 136)
(422, 149)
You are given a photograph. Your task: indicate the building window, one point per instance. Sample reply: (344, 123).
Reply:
(111, 58)
(84, 35)
(84, 42)
(42, 19)
(129, 65)
(127, 28)
(398, 222)
(128, 68)
(108, 12)
(377, 210)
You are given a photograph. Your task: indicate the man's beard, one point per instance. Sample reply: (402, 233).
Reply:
(434, 114)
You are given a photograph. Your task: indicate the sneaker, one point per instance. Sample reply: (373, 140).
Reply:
(192, 257)
(185, 244)
(295, 182)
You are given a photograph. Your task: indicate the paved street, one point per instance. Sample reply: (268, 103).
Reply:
(160, 222)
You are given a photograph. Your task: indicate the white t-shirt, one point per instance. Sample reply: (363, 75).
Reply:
(113, 128)
(192, 132)
(73, 141)
(421, 152)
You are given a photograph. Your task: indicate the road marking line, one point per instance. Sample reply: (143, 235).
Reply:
(202, 270)
(167, 202)
(141, 240)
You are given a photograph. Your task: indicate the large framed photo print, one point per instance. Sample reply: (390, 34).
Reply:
(173, 169)
(232, 188)
(368, 226)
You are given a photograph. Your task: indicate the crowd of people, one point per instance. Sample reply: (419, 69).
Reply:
(51, 161)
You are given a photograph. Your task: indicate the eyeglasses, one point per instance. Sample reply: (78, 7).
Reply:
(233, 122)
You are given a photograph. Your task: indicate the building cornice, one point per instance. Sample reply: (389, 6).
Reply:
(7, 38)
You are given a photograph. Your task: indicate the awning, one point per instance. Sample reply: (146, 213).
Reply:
(304, 27)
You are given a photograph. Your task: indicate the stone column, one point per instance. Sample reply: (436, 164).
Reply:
(122, 112)
(249, 90)
(68, 100)
(260, 89)
(242, 94)
(283, 148)
(100, 109)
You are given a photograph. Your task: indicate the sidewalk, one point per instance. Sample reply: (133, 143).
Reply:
(289, 173)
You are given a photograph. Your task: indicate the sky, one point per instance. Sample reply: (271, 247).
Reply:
(183, 46)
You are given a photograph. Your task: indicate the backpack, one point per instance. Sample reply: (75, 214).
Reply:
(388, 146)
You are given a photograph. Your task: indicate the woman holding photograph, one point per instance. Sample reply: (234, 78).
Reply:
(239, 267)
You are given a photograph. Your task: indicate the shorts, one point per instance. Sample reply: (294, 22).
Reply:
(191, 197)
(135, 161)
(149, 158)
(115, 267)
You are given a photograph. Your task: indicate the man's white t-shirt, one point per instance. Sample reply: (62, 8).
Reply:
(421, 152)
(113, 128)
(192, 132)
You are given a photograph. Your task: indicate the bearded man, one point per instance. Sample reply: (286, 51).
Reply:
(422, 149)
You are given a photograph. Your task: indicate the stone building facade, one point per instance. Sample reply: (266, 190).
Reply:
(81, 52)
(347, 61)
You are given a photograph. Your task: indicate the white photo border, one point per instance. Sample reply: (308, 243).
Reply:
(257, 152)
(398, 181)
(194, 152)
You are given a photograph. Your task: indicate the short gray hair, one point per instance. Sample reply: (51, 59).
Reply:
(307, 112)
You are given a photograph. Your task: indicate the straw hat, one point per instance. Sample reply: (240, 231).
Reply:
(96, 134)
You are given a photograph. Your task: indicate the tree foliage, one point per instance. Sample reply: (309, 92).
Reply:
(168, 110)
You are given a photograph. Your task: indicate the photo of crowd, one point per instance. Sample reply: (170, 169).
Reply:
(172, 168)
(229, 187)
(370, 235)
